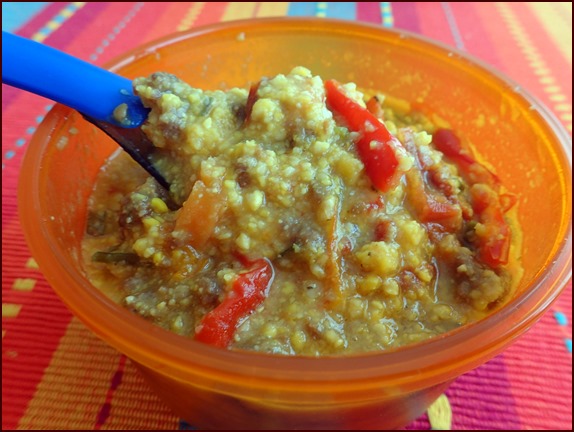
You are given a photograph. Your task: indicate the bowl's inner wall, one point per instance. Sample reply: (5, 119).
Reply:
(508, 133)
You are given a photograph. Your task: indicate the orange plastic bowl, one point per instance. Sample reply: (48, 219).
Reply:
(214, 388)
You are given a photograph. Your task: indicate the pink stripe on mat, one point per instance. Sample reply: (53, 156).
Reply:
(477, 40)
(406, 17)
(369, 12)
(434, 24)
(542, 351)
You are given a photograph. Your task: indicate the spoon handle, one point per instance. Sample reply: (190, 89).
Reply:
(91, 90)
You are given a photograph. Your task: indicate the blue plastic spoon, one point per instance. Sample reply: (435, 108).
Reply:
(95, 92)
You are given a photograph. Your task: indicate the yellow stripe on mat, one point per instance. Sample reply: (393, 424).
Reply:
(10, 310)
(236, 11)
(268, 9)
(440, 414)
(191, 16)
(24, 284)
(555, 27)
(32, 264)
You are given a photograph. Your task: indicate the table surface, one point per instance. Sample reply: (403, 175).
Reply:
(57, 375)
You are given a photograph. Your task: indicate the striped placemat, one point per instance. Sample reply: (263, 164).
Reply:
(57, 375)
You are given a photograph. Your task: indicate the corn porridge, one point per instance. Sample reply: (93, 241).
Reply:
(314, 220)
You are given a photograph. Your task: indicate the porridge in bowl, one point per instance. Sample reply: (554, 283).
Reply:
(304, 218)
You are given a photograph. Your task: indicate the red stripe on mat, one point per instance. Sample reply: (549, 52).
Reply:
(80, 32)
(17, 119)
(211, 14)
(134, 32)
(26, 354)
(169, 19)
(434, 24)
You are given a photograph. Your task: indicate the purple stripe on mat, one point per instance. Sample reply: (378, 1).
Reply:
(9, 94)
(406, 17)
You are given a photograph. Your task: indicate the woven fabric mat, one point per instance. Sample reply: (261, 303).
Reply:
(57, 375)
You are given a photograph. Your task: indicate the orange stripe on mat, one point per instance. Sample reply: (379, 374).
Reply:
(74, 385)
(135, 406)
(77, 386)
(211, 14)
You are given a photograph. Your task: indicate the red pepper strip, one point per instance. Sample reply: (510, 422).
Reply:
(493, 233)
(449, 144)
(249, 290)
(376, 146)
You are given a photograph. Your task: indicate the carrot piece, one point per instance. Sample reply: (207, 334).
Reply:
(200, 213)
(374, 106)
(431, 206)
(335, 297)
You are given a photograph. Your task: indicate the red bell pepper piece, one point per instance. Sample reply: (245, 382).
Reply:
(493, 238)
(376, 146)
(249, 290)
(450, 145)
